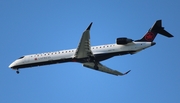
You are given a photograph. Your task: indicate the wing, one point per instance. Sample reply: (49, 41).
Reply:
(84, 47)
(102, 68)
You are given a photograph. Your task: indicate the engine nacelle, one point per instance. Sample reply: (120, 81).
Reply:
(123, 40)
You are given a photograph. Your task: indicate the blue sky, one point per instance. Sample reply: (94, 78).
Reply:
(28, 27)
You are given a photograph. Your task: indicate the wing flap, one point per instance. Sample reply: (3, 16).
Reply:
(102, 68)
(84, 47)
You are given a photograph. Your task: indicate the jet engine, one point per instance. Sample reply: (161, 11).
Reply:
(123, 40)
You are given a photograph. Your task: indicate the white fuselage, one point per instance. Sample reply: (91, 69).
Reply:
(68, 55)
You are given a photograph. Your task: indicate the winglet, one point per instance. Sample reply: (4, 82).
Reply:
(89, 27)
(127, 72)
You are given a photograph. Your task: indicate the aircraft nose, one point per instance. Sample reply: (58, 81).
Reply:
(12, 65)
(153, 43)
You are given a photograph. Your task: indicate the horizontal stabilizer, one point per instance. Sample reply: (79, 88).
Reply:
(165, 33)
(157, 27)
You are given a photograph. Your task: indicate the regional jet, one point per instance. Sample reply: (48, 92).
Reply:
(91, 56)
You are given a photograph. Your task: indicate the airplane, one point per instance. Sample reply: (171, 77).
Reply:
(91, 56)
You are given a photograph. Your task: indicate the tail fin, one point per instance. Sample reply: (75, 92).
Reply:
(154, 30)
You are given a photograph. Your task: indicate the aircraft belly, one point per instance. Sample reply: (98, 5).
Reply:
(101, 57)
(41, 63)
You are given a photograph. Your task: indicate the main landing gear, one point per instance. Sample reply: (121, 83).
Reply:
(17, 71)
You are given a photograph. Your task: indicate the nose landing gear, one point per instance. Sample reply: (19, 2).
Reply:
(17, 71)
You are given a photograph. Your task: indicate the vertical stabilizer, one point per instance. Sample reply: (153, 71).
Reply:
(154, 30)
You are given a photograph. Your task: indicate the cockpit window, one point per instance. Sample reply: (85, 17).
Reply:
(21, 57)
